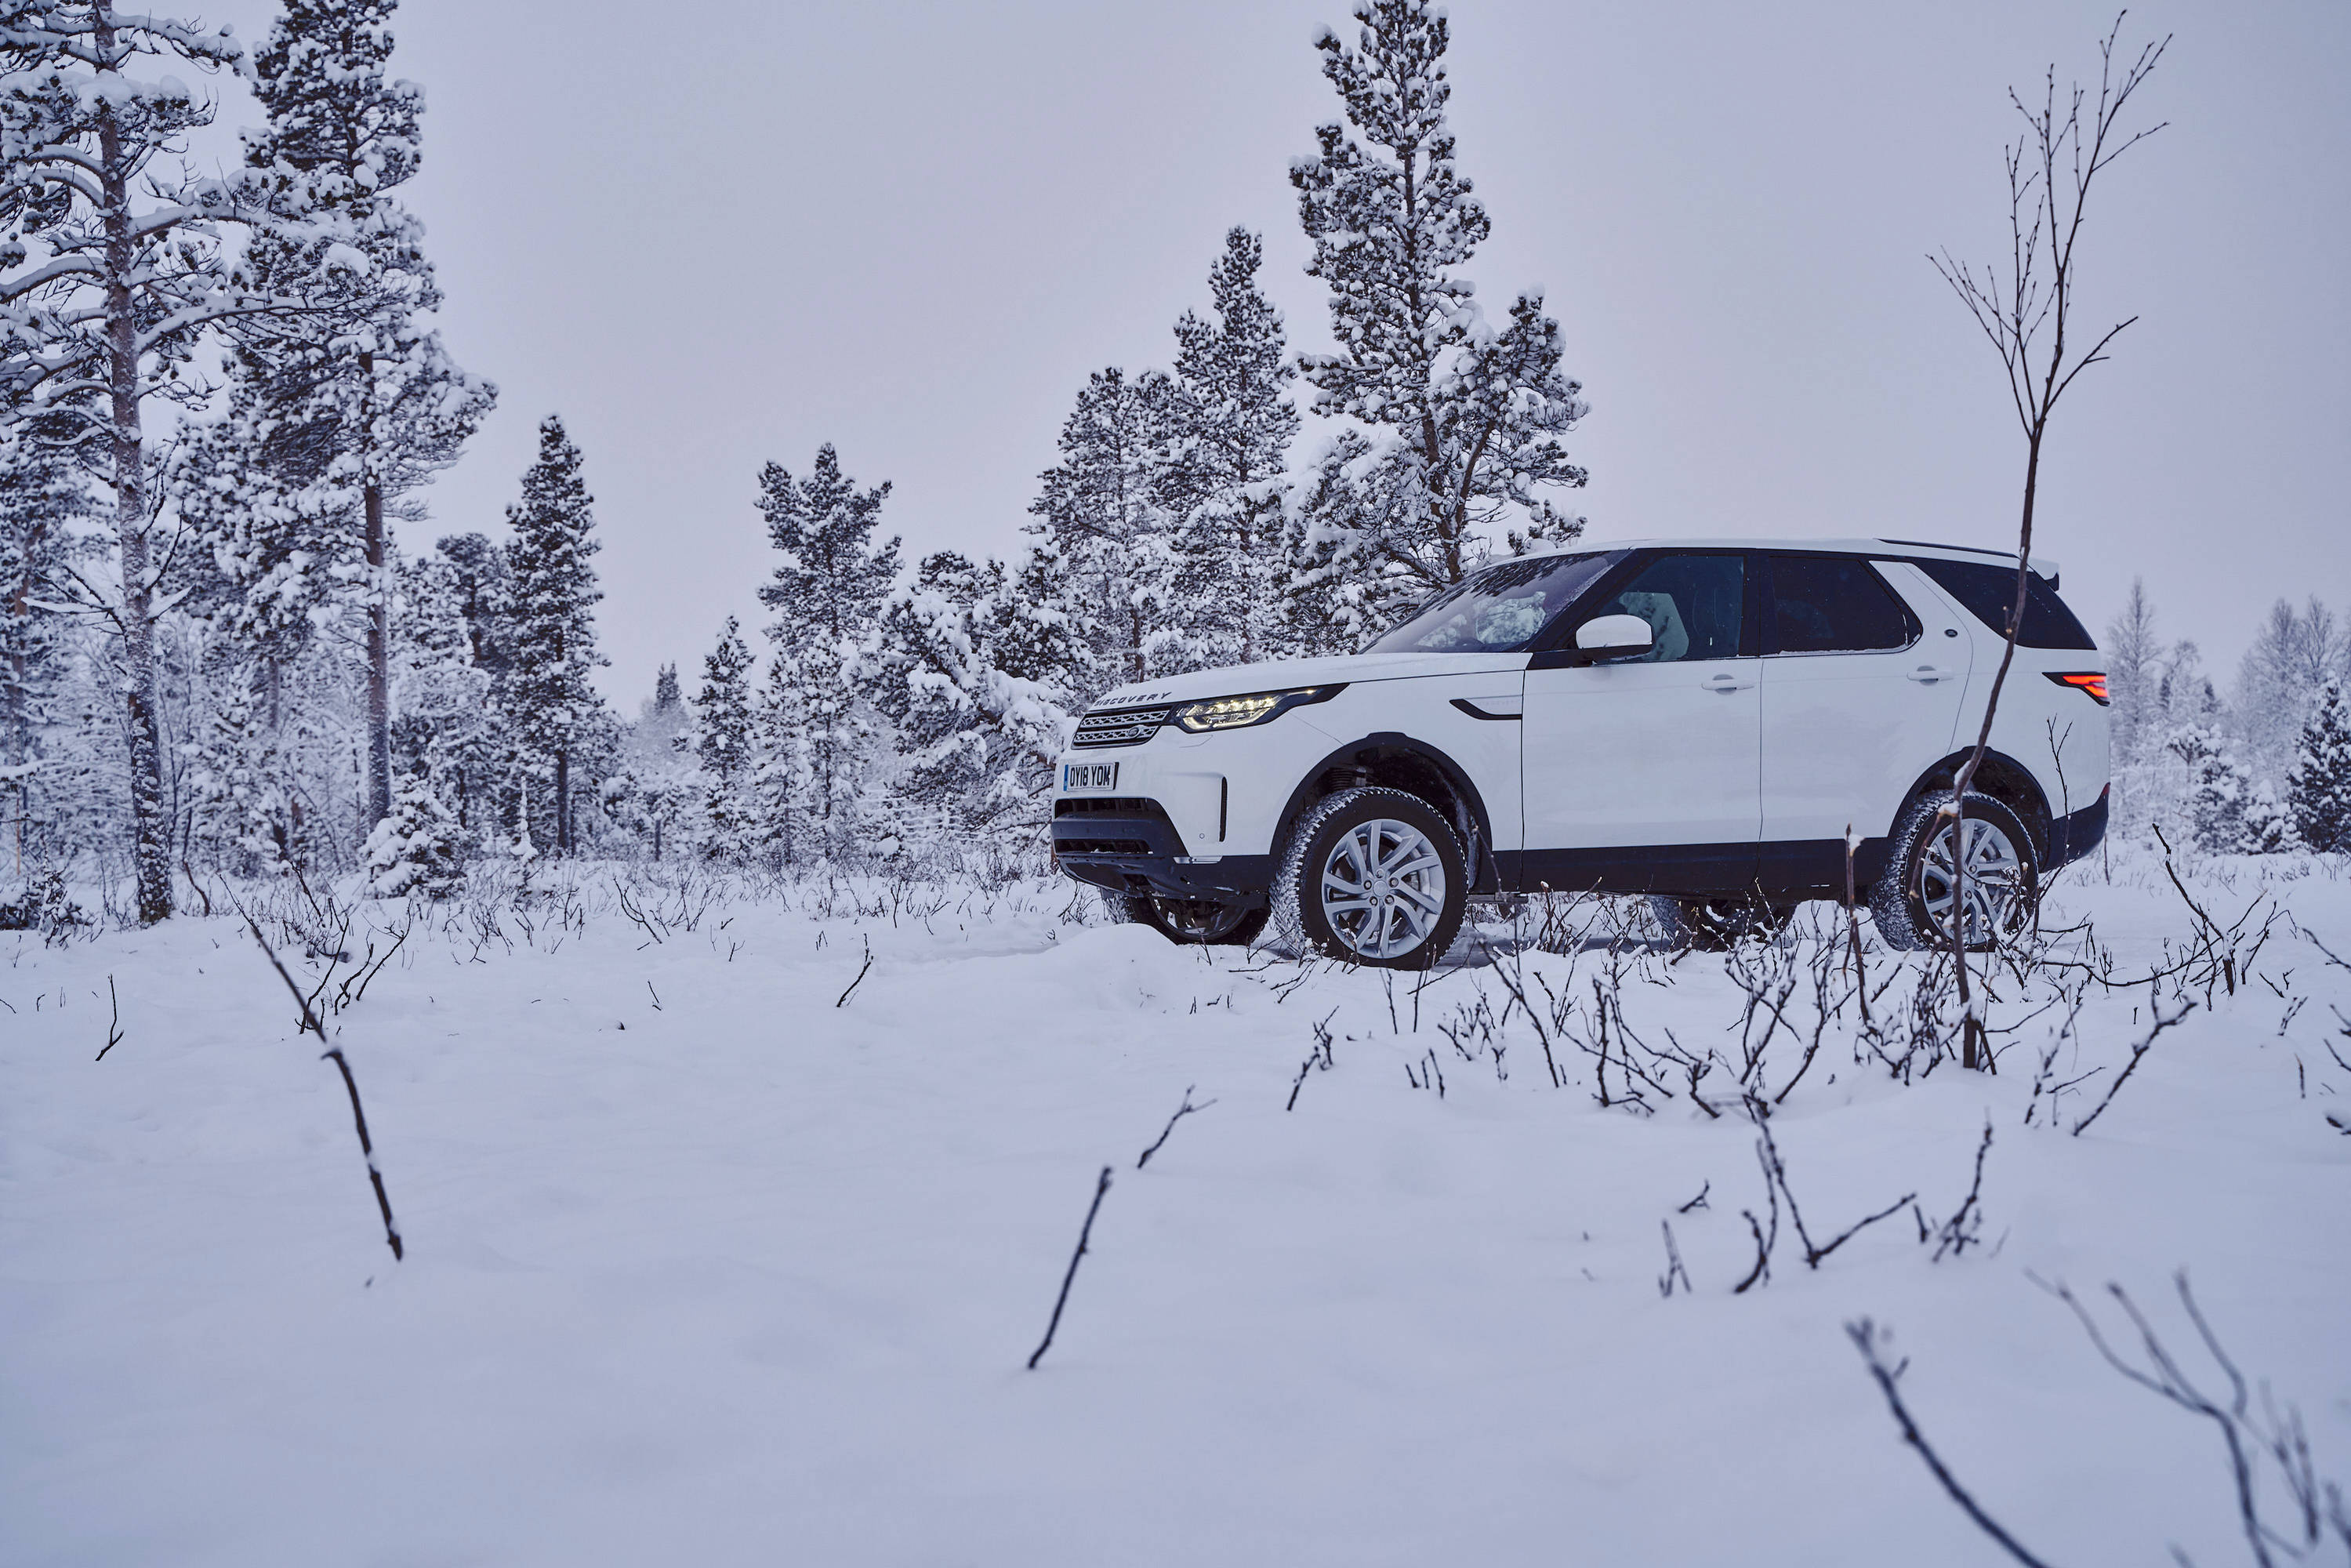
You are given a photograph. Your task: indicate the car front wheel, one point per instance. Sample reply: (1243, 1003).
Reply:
(1372, 876)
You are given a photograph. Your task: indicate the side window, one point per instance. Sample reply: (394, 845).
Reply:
(1834, 604)
(1692, 605)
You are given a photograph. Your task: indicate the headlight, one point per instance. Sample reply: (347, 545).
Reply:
(1240, 713)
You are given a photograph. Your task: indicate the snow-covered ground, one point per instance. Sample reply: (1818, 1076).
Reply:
(706, 1266)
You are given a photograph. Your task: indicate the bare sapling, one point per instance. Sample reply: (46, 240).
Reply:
(1318, 1057)
(843, 1000)
(113, 1024)
(2259, 1441)
(1964, 1228)
(1186, 1109)
(1872, 1343)
(2026, 316)
(1086, 1234)
(2139, 1051)
(1775, 1170)
(2250, 1436)
(334, 1053)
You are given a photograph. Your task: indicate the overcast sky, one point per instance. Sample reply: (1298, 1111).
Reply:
(715, 235)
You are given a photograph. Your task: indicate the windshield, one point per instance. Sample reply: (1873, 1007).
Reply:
(1501, 609)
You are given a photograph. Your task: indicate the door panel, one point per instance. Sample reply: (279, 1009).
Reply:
(1846, 731)
(1641, 773)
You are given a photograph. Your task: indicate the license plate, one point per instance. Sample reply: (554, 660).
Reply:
(1089, 776)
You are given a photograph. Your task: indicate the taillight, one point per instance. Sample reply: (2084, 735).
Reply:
(2090, 682)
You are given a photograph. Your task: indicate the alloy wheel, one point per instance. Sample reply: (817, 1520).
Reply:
(1991, 892)
(1383, 888)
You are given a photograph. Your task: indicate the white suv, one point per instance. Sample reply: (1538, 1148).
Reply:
(1703, 721)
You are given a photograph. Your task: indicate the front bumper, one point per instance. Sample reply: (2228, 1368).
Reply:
(1127, 844)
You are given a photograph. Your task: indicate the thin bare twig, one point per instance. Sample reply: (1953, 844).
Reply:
(334, 1053)
(1085, 1233)
(1186, 1109)
(1866, 1339)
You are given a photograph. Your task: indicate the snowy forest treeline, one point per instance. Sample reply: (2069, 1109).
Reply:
(223, 389)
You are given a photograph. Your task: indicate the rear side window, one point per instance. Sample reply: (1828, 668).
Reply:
(1834, 604)
(1989, 594)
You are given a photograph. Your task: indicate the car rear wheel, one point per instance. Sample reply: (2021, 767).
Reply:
(1372, 876)
(1914, 902)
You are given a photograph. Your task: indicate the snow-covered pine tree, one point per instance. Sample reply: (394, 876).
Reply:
(113, 265)
(444, 726)
(827, 594)
(237, 815)
(977, 670)
(927, 641)
(2318, 786)
(665, 711)
(337, 411)
(1233, 430)
(780, 780)
(485, 586)
(651, 796)
(723, 743)
(42, 497)
(2269, 826)
(1103, 511)
(1466, 414)
(417, 847)
(552, 625)
(2218, 786)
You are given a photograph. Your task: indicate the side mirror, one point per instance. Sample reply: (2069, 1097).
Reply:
(1612, 637)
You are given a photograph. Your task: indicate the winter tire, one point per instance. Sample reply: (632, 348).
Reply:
(1911, 903)
(1372, 876)
(1715, 925)
(1196, 922)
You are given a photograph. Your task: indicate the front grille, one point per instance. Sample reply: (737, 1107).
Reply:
(1120, 727)
(1101, 847)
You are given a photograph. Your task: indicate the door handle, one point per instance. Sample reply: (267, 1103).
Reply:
(1927, 674)
(1723, 680)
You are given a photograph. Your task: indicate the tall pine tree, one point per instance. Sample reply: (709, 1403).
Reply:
(724, 743)
(2318, 787)
(336, 412)
(114, 263)
(1235, 427)
(1104, 509)
(1465, 413)
(551, 617)
(827, 594)
(42, 497)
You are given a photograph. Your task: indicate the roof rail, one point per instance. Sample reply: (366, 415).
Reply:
(2041, 567)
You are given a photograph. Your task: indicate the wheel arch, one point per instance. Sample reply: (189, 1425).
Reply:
(2002, 778)
(1397, 762)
